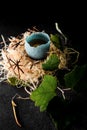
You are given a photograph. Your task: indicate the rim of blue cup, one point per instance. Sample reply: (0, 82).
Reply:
(43, 47)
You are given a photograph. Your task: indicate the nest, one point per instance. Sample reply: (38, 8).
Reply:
(16, 63)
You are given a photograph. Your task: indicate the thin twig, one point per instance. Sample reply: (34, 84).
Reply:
(17, 44)
(14, 105)
(66, 89)
(25, 88)
(58, 29)
(4, 41)
(11, 66)
(35, 28)
(14, 112)
(72, 51)
(16, 64)
(24, 98)
(61, 92)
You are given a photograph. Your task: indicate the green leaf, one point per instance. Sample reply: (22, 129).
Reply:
(45, 92)
(56, 41)
(13, 81)
(51, 63)
(73, 77)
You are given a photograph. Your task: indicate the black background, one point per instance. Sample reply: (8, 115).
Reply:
(16, 18)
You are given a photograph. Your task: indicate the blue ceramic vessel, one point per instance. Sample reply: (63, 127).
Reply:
(37, 45)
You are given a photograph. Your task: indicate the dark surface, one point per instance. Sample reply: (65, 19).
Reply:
(29, 116)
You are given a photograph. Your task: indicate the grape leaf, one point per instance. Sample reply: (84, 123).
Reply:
(56, 41)
(45, 92)
(13, 81)
(73, 77)
(51, 63)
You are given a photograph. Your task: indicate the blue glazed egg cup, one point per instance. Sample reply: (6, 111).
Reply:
(40, 51)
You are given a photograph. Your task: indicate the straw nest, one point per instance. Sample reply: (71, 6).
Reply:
(16, 63)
